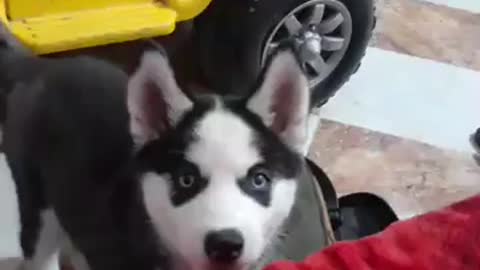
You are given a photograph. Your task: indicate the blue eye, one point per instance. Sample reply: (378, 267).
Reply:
(260, 181)
(187, 180)
(257, 184)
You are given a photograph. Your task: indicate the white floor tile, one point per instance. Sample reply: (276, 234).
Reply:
(9, 221)
(469, 5)
(411, 97)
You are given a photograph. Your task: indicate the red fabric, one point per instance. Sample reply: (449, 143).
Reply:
(446, 239)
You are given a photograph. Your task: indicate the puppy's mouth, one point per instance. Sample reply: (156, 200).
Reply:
(199, 265)
(222, 266)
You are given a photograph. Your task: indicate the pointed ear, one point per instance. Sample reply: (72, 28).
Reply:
(155, 102)
(283, 99)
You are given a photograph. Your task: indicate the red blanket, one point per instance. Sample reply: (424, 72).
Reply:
(447, 239)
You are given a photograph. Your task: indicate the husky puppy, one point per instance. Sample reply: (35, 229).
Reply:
(133, 174)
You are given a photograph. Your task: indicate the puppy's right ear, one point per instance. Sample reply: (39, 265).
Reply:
(155, 102)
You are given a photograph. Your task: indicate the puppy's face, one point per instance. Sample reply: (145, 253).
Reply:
(219, 176)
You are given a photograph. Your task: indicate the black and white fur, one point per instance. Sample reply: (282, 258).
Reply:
(130, 173)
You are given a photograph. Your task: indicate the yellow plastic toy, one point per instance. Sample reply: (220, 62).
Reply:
(223, 43)
(50, 26)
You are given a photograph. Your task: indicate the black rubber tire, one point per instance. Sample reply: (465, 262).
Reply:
(230, 35)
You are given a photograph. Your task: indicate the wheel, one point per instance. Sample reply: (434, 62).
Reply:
(233, 38)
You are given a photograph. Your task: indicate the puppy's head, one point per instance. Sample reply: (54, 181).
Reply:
(219, 175)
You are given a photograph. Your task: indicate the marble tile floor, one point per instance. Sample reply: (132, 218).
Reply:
(431, 31)
(413, 177)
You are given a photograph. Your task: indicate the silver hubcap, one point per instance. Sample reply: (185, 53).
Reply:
(321, 31)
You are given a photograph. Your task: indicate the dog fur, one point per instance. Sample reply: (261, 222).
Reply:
(131, 173)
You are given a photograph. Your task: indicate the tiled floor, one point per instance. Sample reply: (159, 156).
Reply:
(411, 97)
(414, 177)
(470, 5)
(9, 246)
(400, 127)
(430, 31)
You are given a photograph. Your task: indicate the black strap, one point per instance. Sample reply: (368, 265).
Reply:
(329, 194)
(475, 139)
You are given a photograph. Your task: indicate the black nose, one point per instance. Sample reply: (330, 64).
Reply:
(224, 246)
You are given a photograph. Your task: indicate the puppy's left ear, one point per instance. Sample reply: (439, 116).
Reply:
(283, 100)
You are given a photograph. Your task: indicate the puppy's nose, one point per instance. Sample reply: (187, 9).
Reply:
(224, 246)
